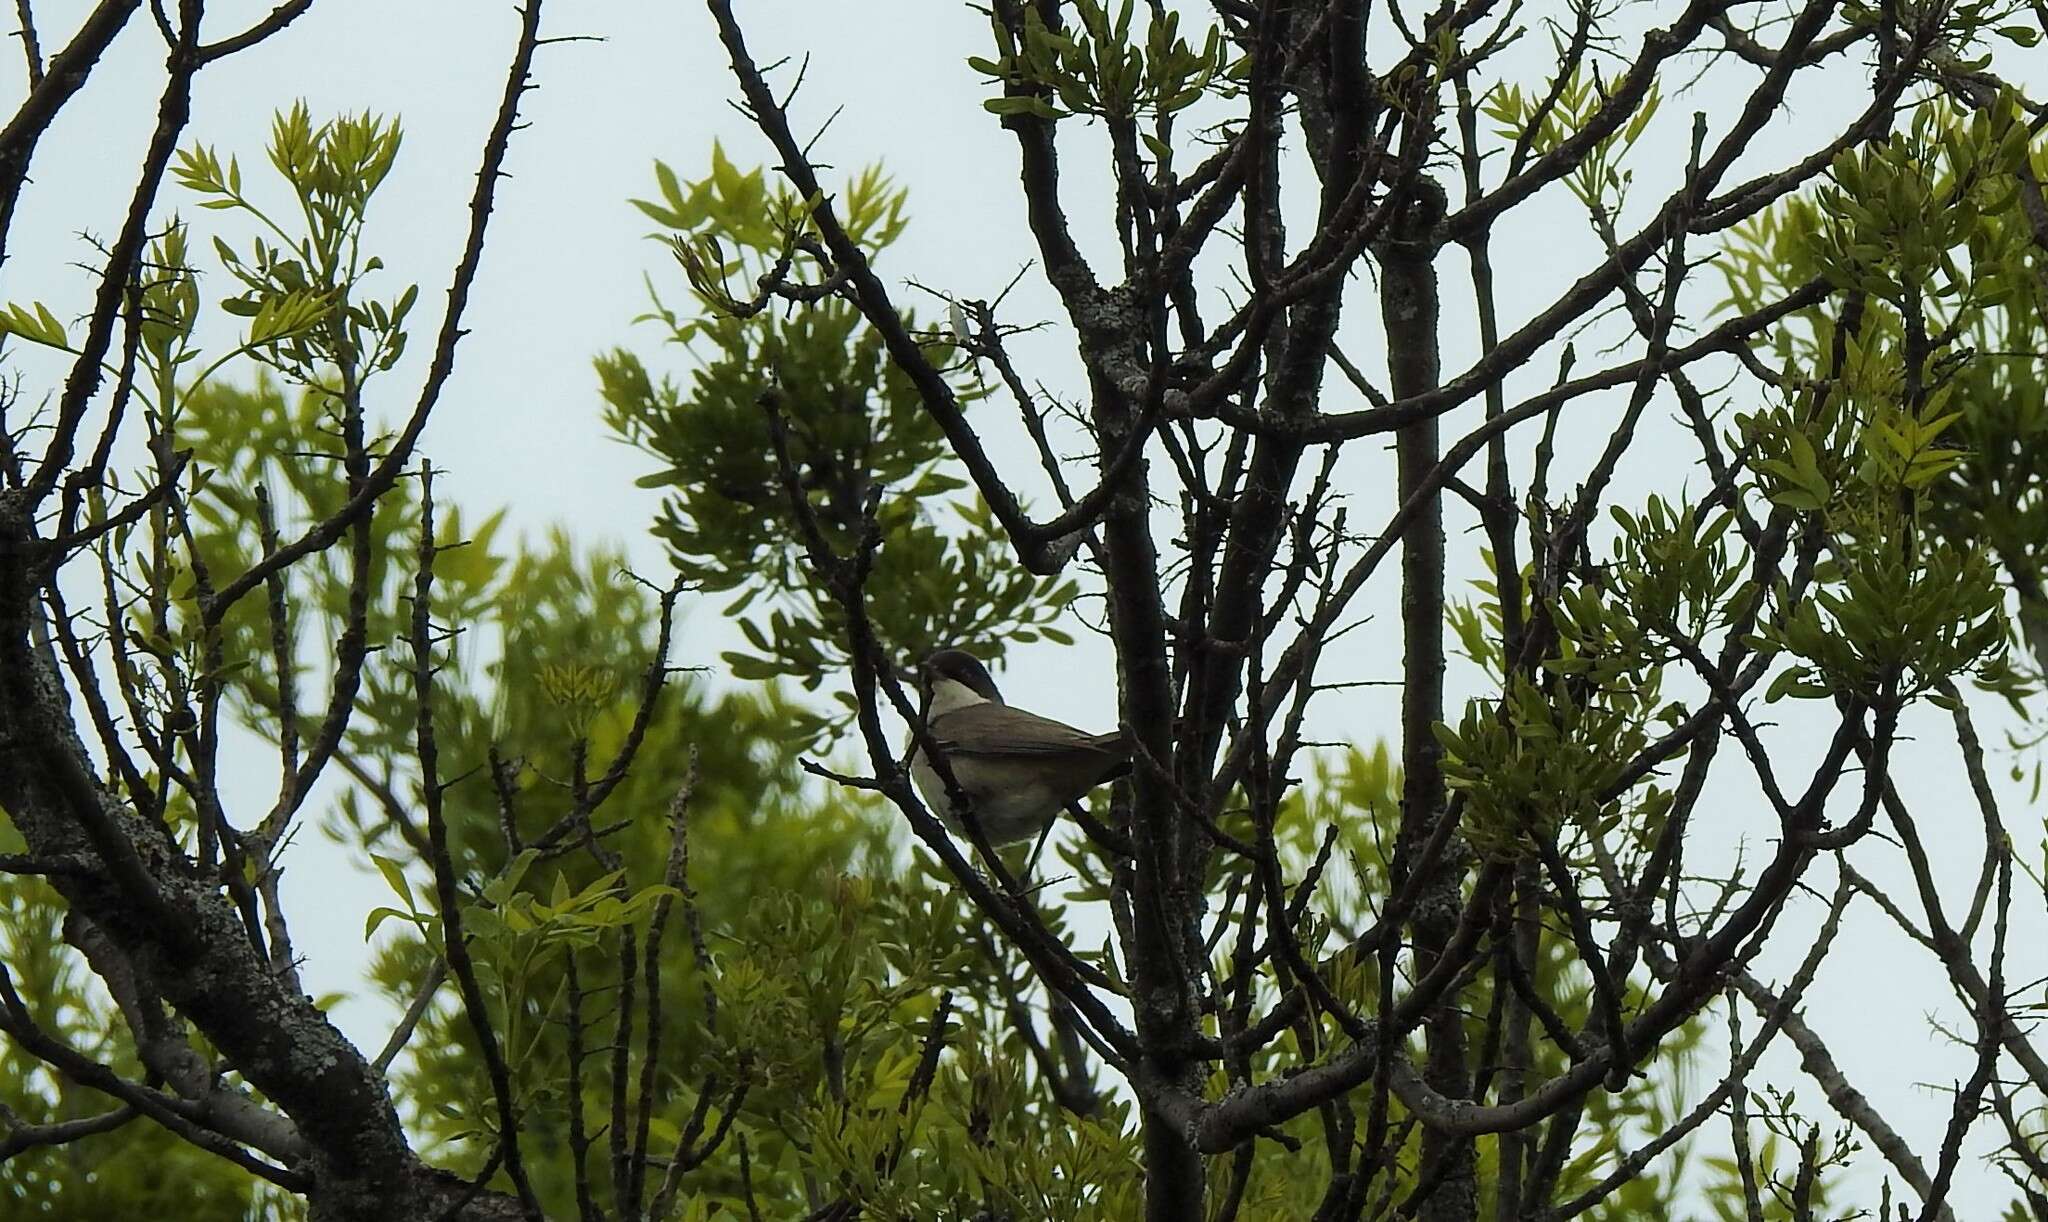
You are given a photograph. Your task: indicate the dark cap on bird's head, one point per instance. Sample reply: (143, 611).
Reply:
(961, 667)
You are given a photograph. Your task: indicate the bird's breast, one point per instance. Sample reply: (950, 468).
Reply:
(1011, 798)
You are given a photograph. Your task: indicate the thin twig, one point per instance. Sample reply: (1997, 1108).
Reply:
(448, 897)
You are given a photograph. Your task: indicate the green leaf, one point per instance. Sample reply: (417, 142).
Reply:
(37, 326)
(664, 217)
(282, 317)
(671, 190)
(508, 881)
(1034, 106)
(1796, 682)
(394, 877)
(377, 917)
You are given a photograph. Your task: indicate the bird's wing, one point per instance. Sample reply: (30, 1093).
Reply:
(998, 729)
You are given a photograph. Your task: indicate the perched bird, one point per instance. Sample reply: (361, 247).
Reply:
(1016, 769)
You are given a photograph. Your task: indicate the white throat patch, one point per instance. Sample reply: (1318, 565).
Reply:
(949, 695)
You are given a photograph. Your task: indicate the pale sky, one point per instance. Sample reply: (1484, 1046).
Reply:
(562, 276)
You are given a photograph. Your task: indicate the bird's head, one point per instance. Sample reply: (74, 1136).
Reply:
(952, 677)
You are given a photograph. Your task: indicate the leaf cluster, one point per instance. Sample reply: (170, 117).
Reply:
(1095, 66)
(864, 452)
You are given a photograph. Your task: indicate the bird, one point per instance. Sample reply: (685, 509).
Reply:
(1016, 769)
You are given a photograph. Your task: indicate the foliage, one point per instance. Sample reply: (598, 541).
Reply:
(693, 981)
(857, 433)
(1097, 68)
(1909, 455)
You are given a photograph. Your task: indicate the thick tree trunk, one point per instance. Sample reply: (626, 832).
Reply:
(182, 941)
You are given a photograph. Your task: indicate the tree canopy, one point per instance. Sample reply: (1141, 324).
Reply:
(1692, 565)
